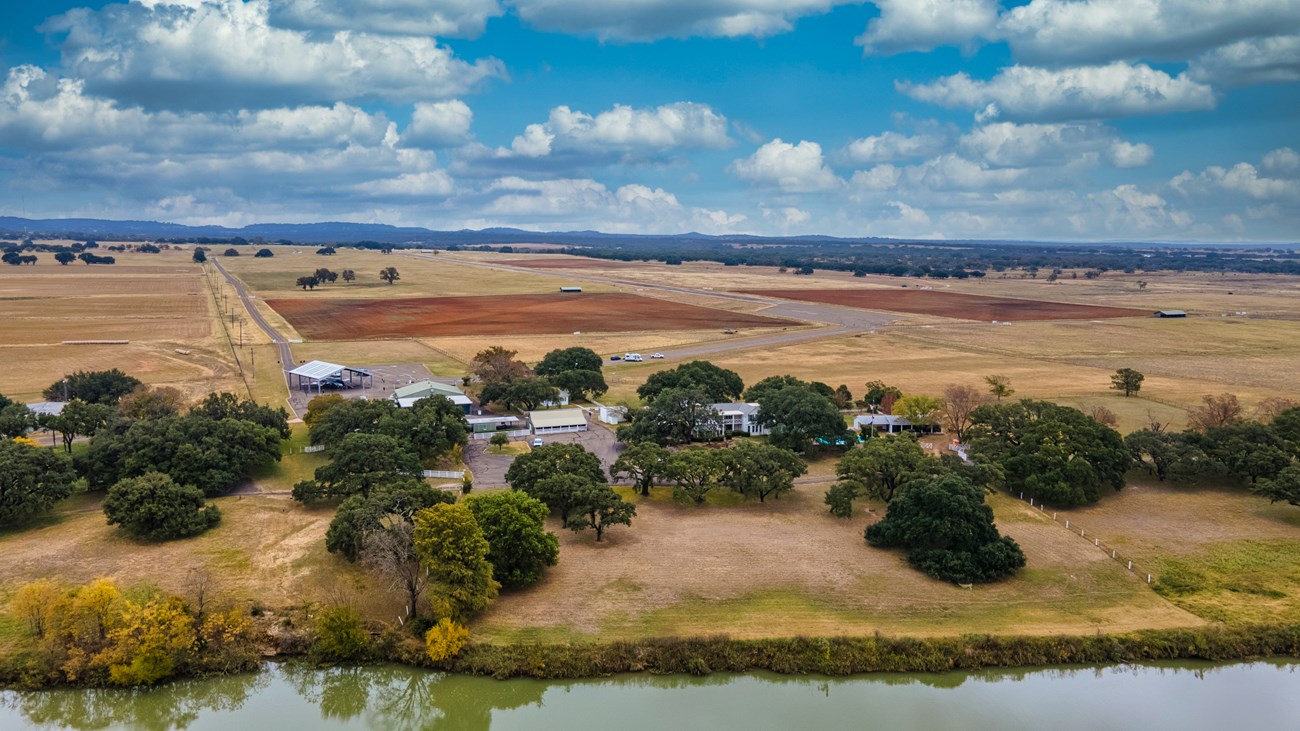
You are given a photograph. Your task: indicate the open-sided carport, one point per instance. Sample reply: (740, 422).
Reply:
(318, 373)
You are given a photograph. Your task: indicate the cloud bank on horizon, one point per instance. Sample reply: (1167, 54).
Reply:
(1047, 119)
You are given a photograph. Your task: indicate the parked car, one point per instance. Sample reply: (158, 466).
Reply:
(656, 356)
(616, 357)
(537, 442)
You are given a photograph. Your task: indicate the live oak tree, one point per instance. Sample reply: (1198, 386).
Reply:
(520, 394)
(719, 384)
(225, 405)
(519, 546)
(389, 274)
(569, 359)
(581, 384)
(882, 467)
(948, 532)
(1285, 486)
(797, 415)
(675, 416)
(1163, 454)
(695, 472)
(598, 507)
(359, 464)
(308, 282)
(1127, 380)
(32, 479)
(451, 545)
(359, 515)
(755, 469)
(16, 420)
(349, 275)
(1050, 452)
(643, 463)
(552, 472)
(78, 418)
(95, 387)
(153, 507)
(213, 455)
(877, 392)
(151, 402)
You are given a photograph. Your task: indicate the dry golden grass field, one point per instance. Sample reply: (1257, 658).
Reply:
(747, 570)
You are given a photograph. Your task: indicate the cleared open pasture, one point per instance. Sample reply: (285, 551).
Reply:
(1215, 550)
(421, 276)
(789, 568)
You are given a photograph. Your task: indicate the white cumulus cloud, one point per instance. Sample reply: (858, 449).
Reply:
(1258, 61)
(1087, 92)
(792, 168)
(226, 53)
(464, 18)
(890, 146)
(438, 124)
(646, 20)
(922, 25)
(1094, 31)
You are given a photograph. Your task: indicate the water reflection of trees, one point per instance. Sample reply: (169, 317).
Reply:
(173, 706)
(405, 699)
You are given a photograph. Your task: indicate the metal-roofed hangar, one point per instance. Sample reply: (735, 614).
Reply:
(558, 421)
(319, 375)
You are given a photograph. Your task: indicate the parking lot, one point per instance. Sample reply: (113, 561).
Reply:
(490, 468)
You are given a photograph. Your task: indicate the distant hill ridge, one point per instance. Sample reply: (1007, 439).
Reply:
(345, 232)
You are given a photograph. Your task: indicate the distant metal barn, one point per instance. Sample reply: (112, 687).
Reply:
(1170, 313)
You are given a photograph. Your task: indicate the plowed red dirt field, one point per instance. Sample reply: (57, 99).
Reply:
(951, 304)
(352, 319)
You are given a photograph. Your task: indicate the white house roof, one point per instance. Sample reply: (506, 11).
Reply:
(733, 409)
(491, 419)
(47, 408)
(461, 400)
(427, 388)
(558, 417)
(879, 420)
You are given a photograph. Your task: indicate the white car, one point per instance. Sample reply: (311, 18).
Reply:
(632, 357)
(657, 356)
(537, 442)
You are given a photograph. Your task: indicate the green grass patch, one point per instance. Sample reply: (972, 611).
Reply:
(1236, 581)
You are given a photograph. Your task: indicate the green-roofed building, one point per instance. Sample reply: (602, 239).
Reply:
(406, 396)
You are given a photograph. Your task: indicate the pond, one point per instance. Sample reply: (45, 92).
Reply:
(1183, 696)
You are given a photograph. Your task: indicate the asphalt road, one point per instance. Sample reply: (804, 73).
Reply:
(286, 355)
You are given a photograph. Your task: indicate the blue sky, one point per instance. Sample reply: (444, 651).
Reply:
(1049, 119)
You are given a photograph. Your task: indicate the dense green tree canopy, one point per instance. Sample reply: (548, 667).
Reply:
(15, 420)
(1164, 454)
(78, 419)
(641, 462)
(32, 479)
(675, 416)
(528, 472)
(212, 455)
(797, 415)
(581, 384)
(1284, 486)
(519, 546)
(520, 394)
(695, 472)
(569, 359)
(884, 466)
(229, 406)
(153, 507)
(359, 514)
(96, 387)
(1246, 450)
(429, 429)
(755, 469)
(1050, 452)
(948, 532)
(598, 507)
(360, 464)
(719, 384)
